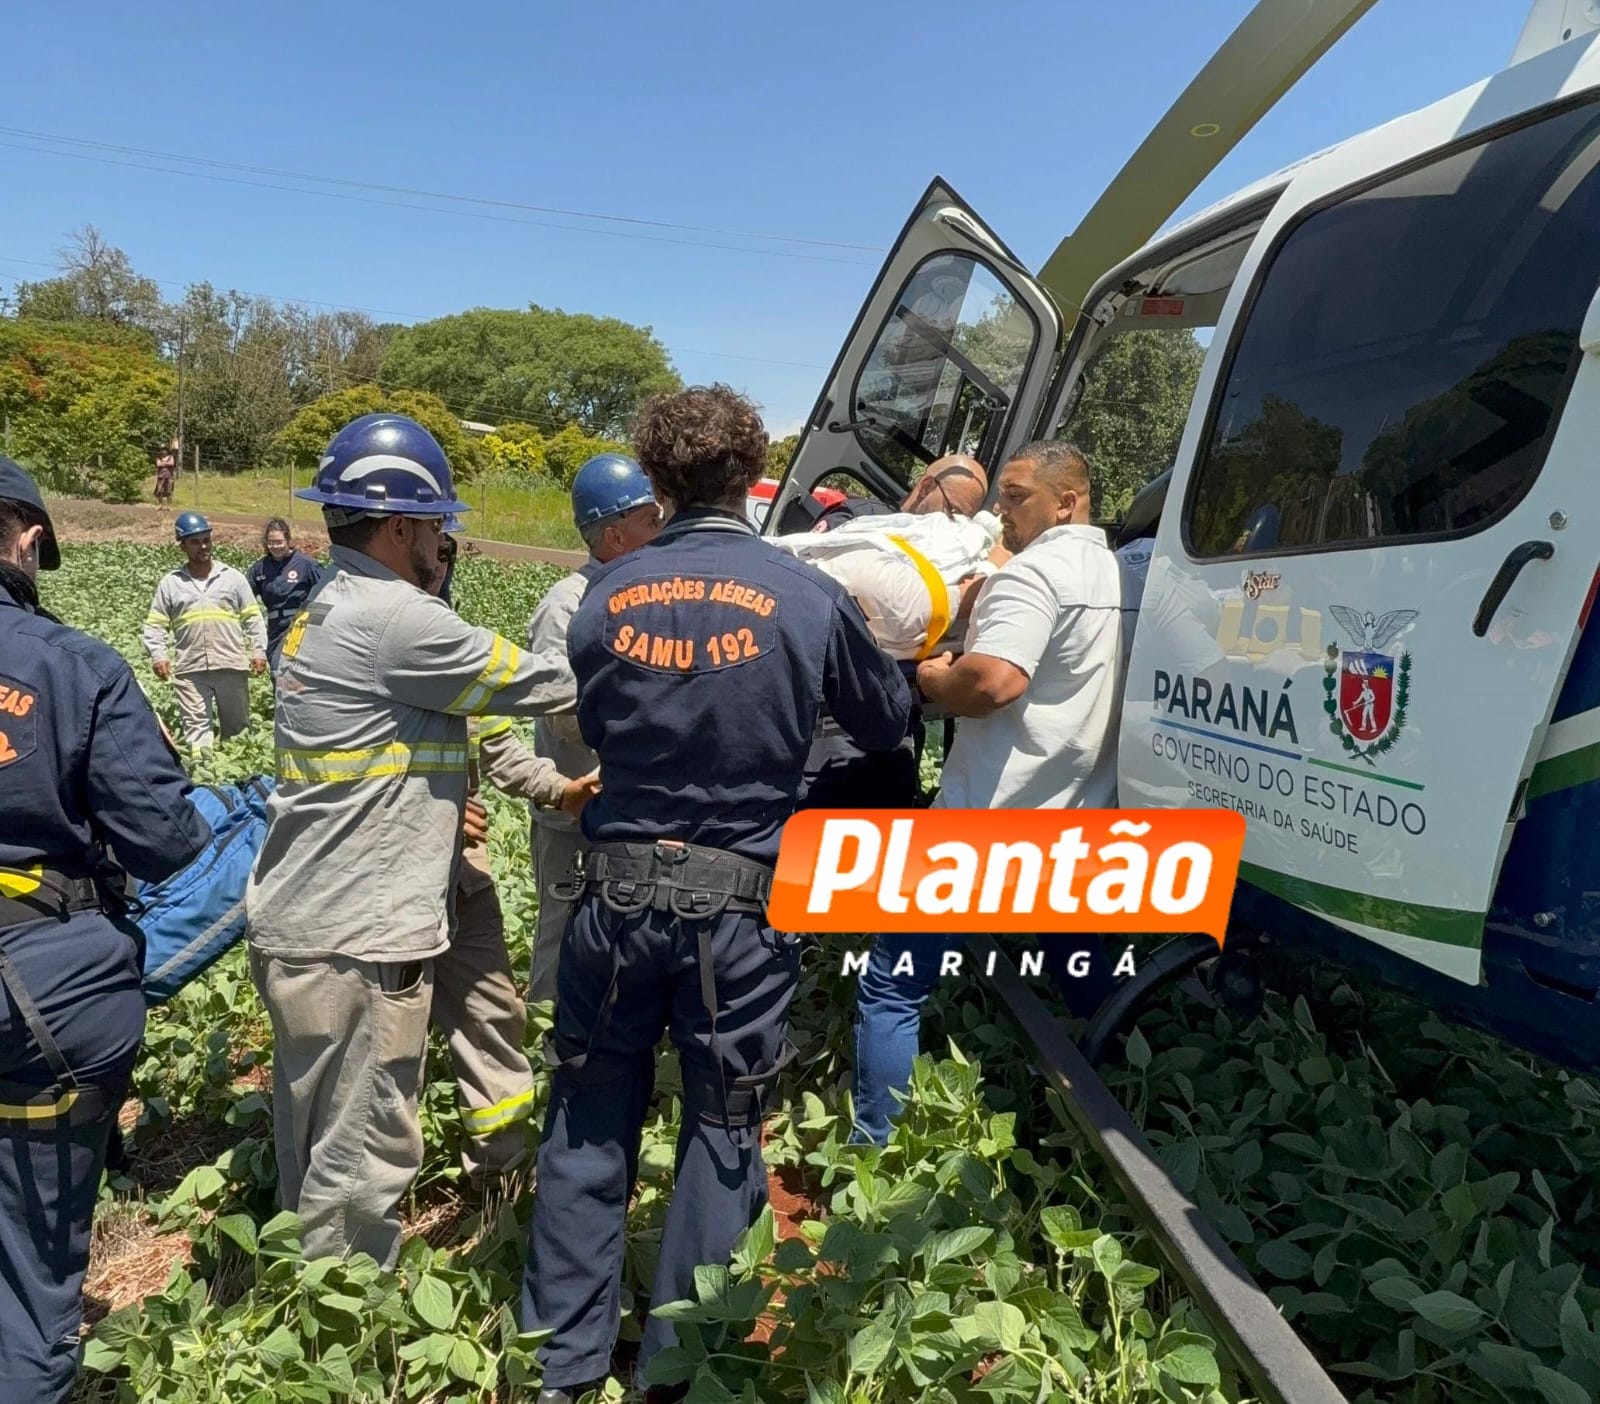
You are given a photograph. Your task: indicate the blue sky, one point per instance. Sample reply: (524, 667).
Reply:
(823, 121)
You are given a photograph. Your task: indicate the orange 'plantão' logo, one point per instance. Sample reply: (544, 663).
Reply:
(1108, 871)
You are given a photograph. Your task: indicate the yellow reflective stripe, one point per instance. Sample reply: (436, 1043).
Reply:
(15, 1111)
(21, 882)
(504, 660)
(938, 595)
(208, 616)
(481, 1121)
(252, 608)
(334, 767)
(153, 618)
(493, 726)
(297, 631)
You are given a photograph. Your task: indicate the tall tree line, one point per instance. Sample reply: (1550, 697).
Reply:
(97, 369)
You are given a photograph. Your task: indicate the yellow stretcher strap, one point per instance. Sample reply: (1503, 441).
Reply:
(938, 594)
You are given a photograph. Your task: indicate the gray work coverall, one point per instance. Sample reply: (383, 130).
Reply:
(555, 838)
(476, 1002)
(351, 897)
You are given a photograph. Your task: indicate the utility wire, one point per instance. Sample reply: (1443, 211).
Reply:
(427, 194)
(431, 209)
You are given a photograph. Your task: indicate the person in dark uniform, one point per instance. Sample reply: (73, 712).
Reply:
(702, 660)
(92, 792)
(282, 580)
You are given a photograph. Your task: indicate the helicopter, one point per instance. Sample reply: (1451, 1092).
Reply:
(1375, 553)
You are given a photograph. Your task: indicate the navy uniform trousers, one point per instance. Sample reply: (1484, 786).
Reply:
(589, 1154)
(82, 975)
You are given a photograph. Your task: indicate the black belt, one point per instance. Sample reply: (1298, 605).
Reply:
(58, 896)
(66, 1102)
(691, 882)
(684, 878)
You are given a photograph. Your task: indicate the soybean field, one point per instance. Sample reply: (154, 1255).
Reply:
(1419, 1200)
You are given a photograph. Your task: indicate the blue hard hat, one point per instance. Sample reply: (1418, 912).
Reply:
(16, 486)
(189, 524)
(385, 464)
(606, 486)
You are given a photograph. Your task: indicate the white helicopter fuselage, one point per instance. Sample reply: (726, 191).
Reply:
(1364, 619)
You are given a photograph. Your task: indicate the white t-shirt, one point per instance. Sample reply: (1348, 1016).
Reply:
(1059, 610)
(887, 582)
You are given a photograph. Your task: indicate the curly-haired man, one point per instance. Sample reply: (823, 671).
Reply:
(702, 659)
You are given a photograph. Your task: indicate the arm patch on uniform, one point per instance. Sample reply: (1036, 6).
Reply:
(690, 624)
(18, 721)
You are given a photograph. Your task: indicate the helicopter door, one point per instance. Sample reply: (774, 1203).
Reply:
(951, 353)
(1380, 547)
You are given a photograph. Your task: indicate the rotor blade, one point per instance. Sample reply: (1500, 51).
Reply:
(1260, 61)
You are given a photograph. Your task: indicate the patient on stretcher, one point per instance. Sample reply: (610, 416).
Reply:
(915, 572)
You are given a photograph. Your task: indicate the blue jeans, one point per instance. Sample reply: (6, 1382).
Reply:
(889, 1011)
(889, 1024)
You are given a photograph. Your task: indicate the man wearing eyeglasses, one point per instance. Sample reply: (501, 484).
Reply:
(351, 897)
(615, 511)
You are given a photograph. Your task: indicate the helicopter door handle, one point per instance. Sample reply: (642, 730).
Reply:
(1510, 568)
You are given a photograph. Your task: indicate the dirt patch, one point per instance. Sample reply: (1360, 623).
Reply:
(128, 1261)
(138, 524)
(80, 521)
(791, 1201)
(792, 1205)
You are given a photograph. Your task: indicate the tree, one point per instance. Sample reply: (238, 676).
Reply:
(302, 440)
(97, 284)
(568, 451)
(548, 367)
(1129, 418)
(237, 389)
(779, 454)
(86, 415)
(514, 450)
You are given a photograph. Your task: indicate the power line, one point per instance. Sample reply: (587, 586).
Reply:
(432, 209)
(429, 194)
(415, 316)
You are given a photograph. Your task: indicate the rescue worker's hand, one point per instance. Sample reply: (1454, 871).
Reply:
(931, 670)
(163, 669)
(967, 592)
(166, 735)
(475, 824)
(579, 792)
(258, 666)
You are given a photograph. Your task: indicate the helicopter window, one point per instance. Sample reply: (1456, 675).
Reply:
(1129, 408)
(945, 368)
(1408, 352)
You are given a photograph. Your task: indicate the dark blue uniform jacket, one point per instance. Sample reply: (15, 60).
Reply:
(703, 661)
(282, 587)
(82, 761)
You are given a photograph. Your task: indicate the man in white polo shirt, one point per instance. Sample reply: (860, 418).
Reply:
(1038, 691)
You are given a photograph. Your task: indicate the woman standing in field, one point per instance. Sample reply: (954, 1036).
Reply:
(283, 579)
